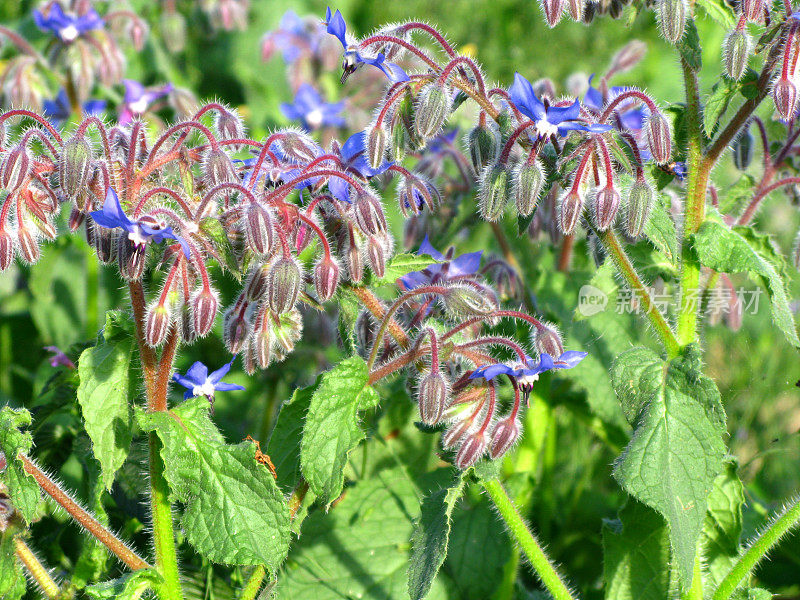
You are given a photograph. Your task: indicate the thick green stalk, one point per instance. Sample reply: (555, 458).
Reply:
(695, 592)
(696, 187)
(527, 542)
(253, 585)
(758, 550)
(37, 571)
(163, 531)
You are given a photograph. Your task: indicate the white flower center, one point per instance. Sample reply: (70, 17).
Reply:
(138, 237)
(69, 33)
(207, 389)
(545, 129)
(314, 118)
(527, 381)
(137, 107)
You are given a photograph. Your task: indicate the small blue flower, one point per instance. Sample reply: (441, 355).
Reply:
(139, 98)
(354, 162)
(447, 269)
(294, 37)
(67, 27)
(139, 232)
(353, 58)
(309, 108)
(528, 372)
(549, 120)
(198, 382)
(58, 109)
(679, 170)
(443, 141)
(632, 118)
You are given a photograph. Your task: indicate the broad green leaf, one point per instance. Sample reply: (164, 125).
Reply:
(726, 250)
(284, 441)
(235, 512)
(734, 198)
(360, 548)
(660, 229)
(718, 101)
(689, 46)
(636, 555)
(332, 428)
(104, 396)
(22, 488)
(403, 264)
(226, 253)
(676, 450)
(12, 577)
(430, 539)
(128, 587)
(719, 11)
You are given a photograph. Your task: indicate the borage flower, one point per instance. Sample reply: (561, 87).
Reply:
(527, 373)
(198, 382)
(59, 110)
(140, 232)
(632, 116)
(550, 121)
(294, 37)
(353, 57)
(352, 155)
(447, 269)
(139, 98)
(310, 109)
(67, 27)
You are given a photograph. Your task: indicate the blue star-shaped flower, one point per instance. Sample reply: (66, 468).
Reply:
(447, 269)
(67, 27)
(549, 120)
(198, 382)
(528, 372)
(632, 118)
(294, 37)
(354, 162)
(58, 109)
(139, 232)
(309, 108)
(353, 58)
(139, 98)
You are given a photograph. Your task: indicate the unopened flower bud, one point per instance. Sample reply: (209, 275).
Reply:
(376, 145)
(553, 10)
(471, 450)
(569, 212)
(184, 102)
(659, 139)
(433, 107)
(76, 219)
(355, 263)
(483, 142)
(28, 245)
(283, 284)
(735, 52)
(628, 56)
(218, 168)
(432, 397)
(156, 324)
(753, 10)
(494, 192)
(235, 326)
(298, 146)
(743, 148)
(173, 31)
(287, 329)
(376, 255)
(547, 340)
(528, 181)
(605, 207)
(640, 203)
(454, 433)
(326, 278)
(784, 93)
(261, 340)
(102, 240)
(256, 284)
(795, 252)
(229, 125)
(6, 249)
(130, 258)
(259, 229)
(504, 435)
(672, 19)
(575, 8)
(368, 213)
(74, 166)
(15, 169)
(463, 301)
(204, 311)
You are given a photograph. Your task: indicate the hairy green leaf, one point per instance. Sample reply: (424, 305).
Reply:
(728, 251)
(403, 264)
(235, 512)
(689, 46)
(332, 428)
(723, 524)
(719, 11)
(676, 451)
(717, 103)
(430, 538)
(130, 586)
(22, 488)
(284, 441)
(660, 229)
(12, 576)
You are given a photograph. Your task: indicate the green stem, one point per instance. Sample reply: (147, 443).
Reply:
(757, 550)
(627, 270)
(92, 294)
(253, 584)
(526, 540)
(36, 569)
(163, 531)
(695, 592)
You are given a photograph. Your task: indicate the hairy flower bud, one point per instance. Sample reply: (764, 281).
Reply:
(494, 192)
(326, 278)
(157, 323)
(504, 435)
(298, 146)
(287, 329)
(672, 19)
(454, 433)
(218, 168)
(130, 258)
(204, 305)
(355, 263)
(743, 148)
(784, 93)
(483, 143)
(28, 245)
(229, 125)
(604, 207)
(16, 167)
(173, 31)
(433, 107)
(368, 213)
(569, 212)
(735, 52)
(471, 450)
(376, 255)
(527, 183)
(575, 8)
(628, 56)
(553, 10)
(283, 284)
(102, 240)
(432, 397)
(376, 145)
(659, 139)
(463, 301)
(261, 340)
(753, 10)
(235, 326)
(258, 228)
(547, 340)
(256, 284)
(6, 249)
(640, 202)
(74, 166)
